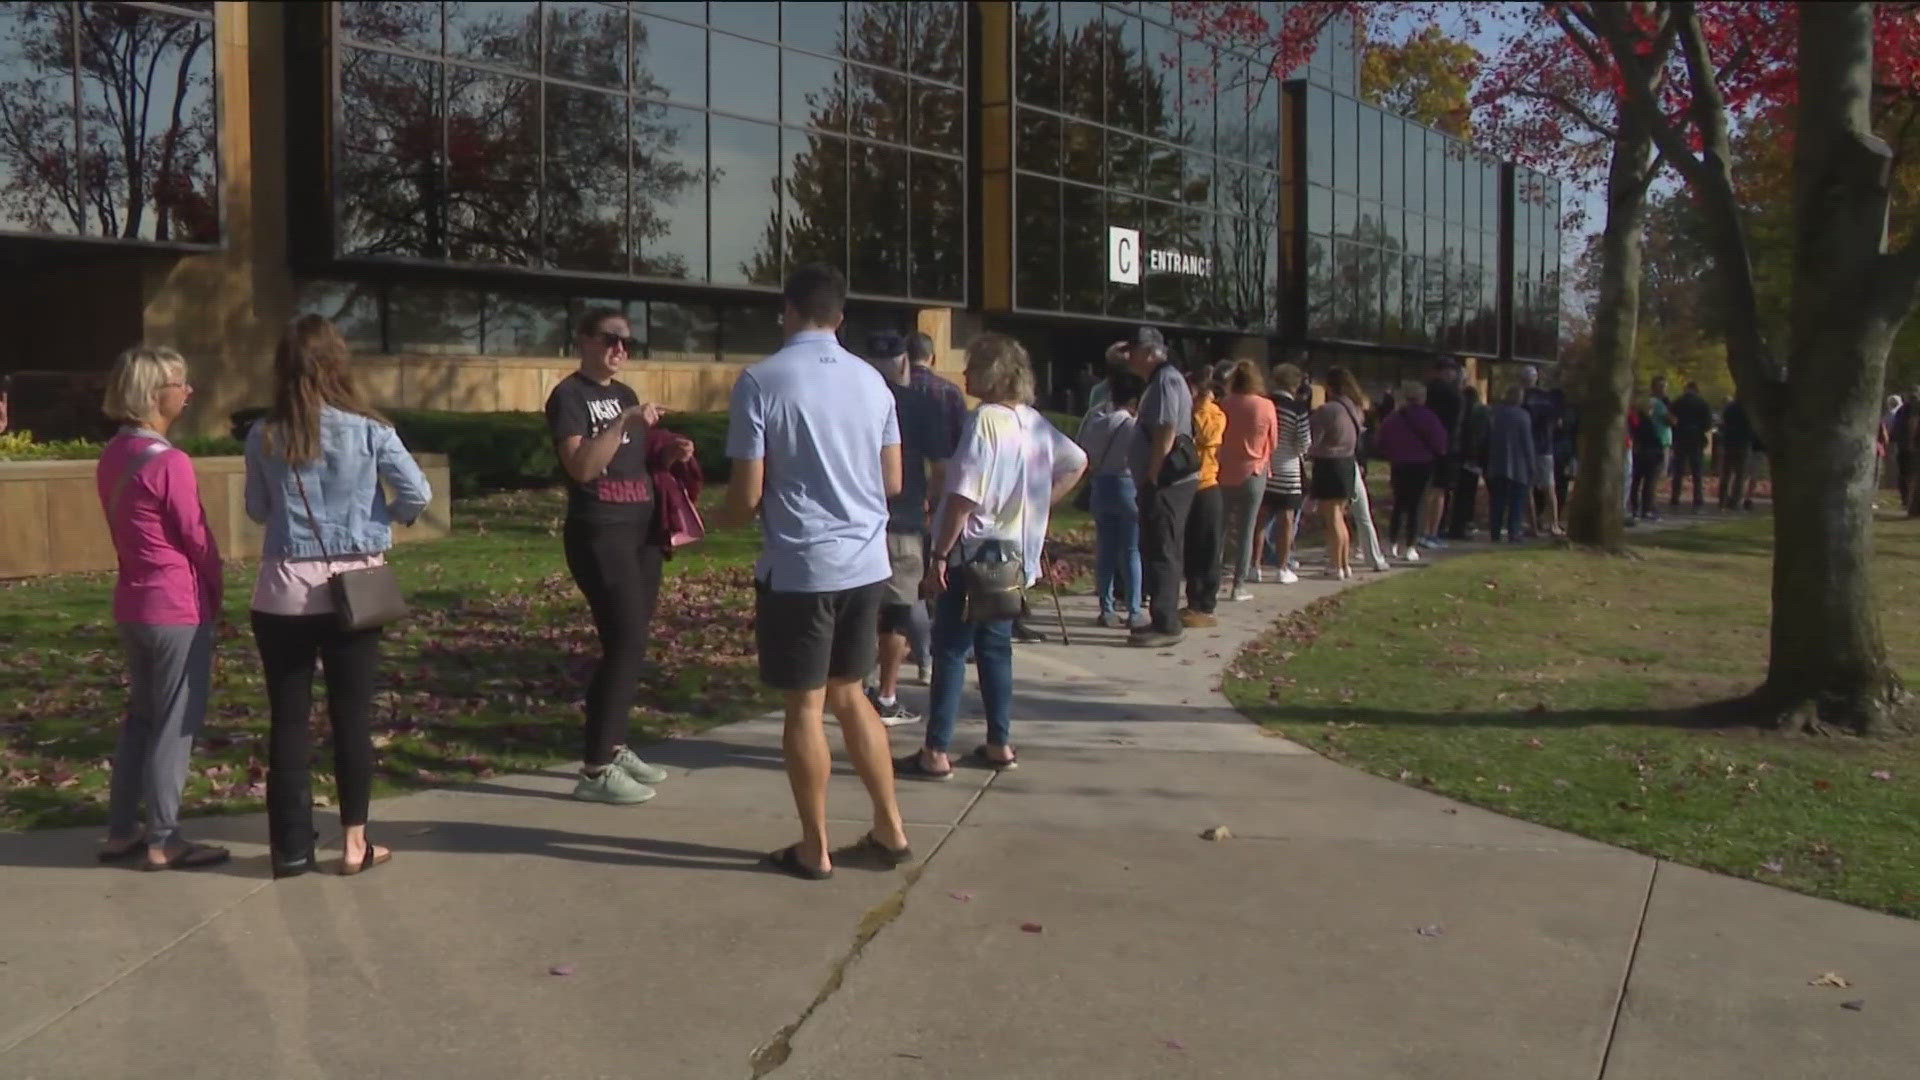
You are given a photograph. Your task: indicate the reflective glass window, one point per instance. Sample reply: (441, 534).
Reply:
(1036, 239)
(1346, 126)
(753, 18)
(1036, 58)
(1036, 142)
(493, 167)
(1162, 82)
(1319, 209)
(750, 331)
(584, 207)
(1263, 122)
(1083, 154)
(519, 325)
(1126, 160)
(938, 211)
(937, 36)
(496, 33)
(813, 185)
(814, 26)
(693, 11)
(586, 42)
(1084, 45)
(877, 229)
(352, 306)
(1163, 179)
(1392, 159)
(744, 167)
(877, 34)
(1083, 248)
(670, 60)
(750, 84)
(37, 121)
(879, 104)
(669, 192)
(682, 331)
(433, 321)
(1369, 153)
(938, 119)
(404, 23)
(810, 92)
(1319, 135)
(1198, 180)
(389, 184)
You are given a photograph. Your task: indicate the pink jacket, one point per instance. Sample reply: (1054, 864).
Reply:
(169, 561)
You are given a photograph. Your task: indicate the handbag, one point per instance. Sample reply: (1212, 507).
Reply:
(995, 575)
(363, 599)
(1083, 499)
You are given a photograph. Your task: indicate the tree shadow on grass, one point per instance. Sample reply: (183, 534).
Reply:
(1707, 716)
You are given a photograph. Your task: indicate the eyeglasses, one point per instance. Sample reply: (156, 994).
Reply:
(610, 339)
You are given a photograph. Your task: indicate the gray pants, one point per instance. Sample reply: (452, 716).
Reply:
(169, 668)
(1243, 513)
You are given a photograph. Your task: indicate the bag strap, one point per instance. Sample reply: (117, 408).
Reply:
(312, 522)
(140, 458)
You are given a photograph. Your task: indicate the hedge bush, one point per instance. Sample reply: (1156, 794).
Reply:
(20, 446)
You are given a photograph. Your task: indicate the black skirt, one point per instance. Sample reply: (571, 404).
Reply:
(1333, 479)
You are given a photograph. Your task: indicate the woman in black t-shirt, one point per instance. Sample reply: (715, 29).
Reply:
(600, 433)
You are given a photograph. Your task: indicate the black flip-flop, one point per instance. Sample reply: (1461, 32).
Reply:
(979, 757)
(787, 861)
(195, 857)
(912, 766)
(869, 848)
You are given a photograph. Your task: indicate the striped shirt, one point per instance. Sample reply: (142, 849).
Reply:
(1295, 439)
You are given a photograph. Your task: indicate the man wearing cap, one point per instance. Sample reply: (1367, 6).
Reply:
(926, 441)
(1166, 470)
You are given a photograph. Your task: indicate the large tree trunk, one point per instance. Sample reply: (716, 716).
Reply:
(1828, 667)
(1596, 511)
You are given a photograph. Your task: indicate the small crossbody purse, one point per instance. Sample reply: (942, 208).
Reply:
(995, 575)
(363, 599)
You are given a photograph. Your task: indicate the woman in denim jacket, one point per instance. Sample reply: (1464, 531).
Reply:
(315, 464)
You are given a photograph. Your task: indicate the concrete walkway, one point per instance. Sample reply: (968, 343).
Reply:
(1352, 928)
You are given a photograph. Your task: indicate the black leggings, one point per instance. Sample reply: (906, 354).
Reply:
(288, 645)
(1409, 490)
(619, 572)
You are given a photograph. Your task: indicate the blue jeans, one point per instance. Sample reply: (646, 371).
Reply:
(1116, 544)
(992, 645)
(1507, 499)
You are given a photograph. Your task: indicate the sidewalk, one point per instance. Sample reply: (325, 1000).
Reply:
(1351, 929)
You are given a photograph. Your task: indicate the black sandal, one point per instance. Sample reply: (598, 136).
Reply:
(192, 857)
(787, 861)
(870, 848)
(913, 766)
(368, 860)
(136, 846)
(981, 758)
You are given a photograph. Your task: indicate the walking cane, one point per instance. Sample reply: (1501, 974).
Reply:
(1046, 569)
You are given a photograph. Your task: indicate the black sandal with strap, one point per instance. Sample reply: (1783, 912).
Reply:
(787, 861)
(192, 857)
(913, 766)
(870, 848)
(981, 758)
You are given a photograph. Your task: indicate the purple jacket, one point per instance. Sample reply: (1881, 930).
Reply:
(1410, 435)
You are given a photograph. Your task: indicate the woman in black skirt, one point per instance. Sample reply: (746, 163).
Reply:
(1336, 428)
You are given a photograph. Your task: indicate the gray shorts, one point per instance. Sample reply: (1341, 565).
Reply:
(908, 554)
(1543, 472)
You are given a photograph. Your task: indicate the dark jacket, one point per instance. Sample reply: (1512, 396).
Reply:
(1692, 420)
(676, 492)
(1476, 433)
(1510, 453)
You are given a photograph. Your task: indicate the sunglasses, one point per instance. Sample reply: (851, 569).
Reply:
(610, 339)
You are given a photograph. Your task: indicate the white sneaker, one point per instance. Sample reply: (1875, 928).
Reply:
(1254, 575)
(1413, 555)
(1398, 552)
(1288, 577)
(1241, 594)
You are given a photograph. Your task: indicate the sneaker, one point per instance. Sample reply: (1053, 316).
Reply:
(1027, 635)
(1381, 567)
(1288, 577)
(1437, 544)
(1154, 639)
(1425, 542)
(613, 785)
(1140, 621)
(1253, 575)
(1399, 551)
(1293, 563)
(629, 762)
(1107, 619)
(926, 677)
(1192, 618)
(895, 714)
(1240, 596)
(1412, 555)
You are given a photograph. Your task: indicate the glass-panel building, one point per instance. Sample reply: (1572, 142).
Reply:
(455, 181)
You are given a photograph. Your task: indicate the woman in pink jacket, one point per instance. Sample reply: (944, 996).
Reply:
(165, 601)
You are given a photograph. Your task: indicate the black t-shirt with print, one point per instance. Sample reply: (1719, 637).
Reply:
(624, 493)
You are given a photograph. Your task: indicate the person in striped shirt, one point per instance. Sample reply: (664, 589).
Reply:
(1286, 490)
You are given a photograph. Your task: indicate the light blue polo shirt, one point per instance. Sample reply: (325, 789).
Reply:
(818, 416)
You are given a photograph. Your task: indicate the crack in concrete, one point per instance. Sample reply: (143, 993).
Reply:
(774, 1053)
(1626, 977)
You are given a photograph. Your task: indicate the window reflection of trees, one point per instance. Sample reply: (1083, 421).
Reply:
(140, 164)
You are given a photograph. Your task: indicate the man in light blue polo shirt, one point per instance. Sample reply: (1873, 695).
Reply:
(815, 445)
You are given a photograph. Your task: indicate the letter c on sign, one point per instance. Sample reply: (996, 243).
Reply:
(1123, 255)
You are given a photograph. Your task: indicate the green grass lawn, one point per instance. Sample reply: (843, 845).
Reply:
(486, 676)
(1562, 687)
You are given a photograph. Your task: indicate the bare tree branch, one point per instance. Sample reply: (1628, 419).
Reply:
(1570, 106)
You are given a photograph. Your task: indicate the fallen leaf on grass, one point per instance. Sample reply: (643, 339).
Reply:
(1430, 931)
(1774, 866)
(1176, 1044)
(1031, 928)
(1822, 785)
(560, 969)
(1855, 1005)
(964, 896)
(1830, 978)
(1450, 810)
(1217, 832)
(1881, 774)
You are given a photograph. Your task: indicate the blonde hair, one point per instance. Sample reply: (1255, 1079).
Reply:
(1341, 384)
(998, 371)
(133, 387)
(309, 373)
(1287, 377)
(1245, 378)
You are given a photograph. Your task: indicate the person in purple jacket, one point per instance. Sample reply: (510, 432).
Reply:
(1411, 438)
(166, 600)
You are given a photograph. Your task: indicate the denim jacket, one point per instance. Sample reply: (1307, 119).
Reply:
(343, 485)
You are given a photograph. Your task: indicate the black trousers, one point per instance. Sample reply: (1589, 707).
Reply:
(1163, 534)
(1648, 466)
(1735, 461)
(1206, 528)
(1466, 496)
(288, 645)
(1690, 461)
(619, 573)
(1409, 490)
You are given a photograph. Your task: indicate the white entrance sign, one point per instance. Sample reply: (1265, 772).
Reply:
(1123, 255)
